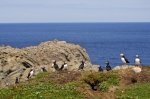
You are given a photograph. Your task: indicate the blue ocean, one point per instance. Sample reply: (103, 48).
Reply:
(102, 41)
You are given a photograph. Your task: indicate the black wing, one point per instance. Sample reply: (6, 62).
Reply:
(28, 75)
(126, 60)
(56, 67)
(62, 66)
(81, 66)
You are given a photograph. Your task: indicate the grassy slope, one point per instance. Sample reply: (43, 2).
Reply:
(136, 91)
(38, 88)
(75, 85)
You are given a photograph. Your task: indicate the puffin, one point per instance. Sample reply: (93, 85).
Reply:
(108, 67)
(17, 80)
(100, 69)
(43, 69)
(55, 65)
(30, 74)
(124, 59)
(64, 66)
(81, 65)
(137, 60)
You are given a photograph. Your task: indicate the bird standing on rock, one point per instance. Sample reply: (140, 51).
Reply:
(82, 65)
(108, 67)
(124, 59)
(17, 80)
(43, 69)
(55, 65)
(137, 61)
(30, 74)
(64, 66)
(100, 69)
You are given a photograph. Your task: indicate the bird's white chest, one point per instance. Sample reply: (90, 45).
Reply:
(31, 73)
(123, 60)
(52, 65)
(65, 66)
(137, 61)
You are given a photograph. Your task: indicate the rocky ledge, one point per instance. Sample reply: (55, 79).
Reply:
(16, 62)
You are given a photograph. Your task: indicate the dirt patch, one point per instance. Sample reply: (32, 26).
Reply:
(64, 77)
(90, 94)
(129, 77)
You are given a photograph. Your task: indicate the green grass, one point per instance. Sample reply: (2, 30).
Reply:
(75, 85)
(42, 87)
(41, 90)
(136, 91)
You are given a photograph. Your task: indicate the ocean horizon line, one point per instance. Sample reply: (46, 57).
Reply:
(74, 22)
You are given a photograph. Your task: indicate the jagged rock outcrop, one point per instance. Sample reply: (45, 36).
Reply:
(18, 62)
(59, 51)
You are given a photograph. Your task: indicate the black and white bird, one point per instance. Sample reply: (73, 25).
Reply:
(124, 59)
(137, 61)
(17, 80)
(43, 69)
(54, 64)
(100, 69)
(81, 65)
(30, 74)
(108, 67)
(64, 66)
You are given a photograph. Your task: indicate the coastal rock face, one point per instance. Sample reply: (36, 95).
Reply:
(59, 51)
(18, 62)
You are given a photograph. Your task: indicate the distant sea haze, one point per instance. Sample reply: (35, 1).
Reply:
(102, 41)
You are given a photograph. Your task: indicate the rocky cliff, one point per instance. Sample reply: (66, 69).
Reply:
(18, 62)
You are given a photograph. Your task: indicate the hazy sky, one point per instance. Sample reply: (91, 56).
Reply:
(74, 11)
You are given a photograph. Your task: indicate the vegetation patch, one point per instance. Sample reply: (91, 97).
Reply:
(121, 84)
(101, 81)
(41, 91)
(136, 91)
